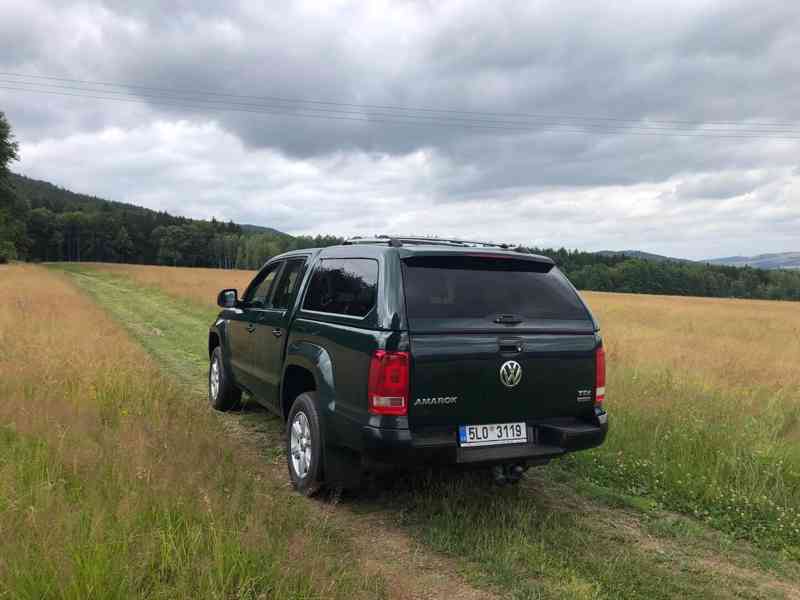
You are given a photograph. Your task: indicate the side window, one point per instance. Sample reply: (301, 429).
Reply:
(287, 286)
(343, 286)
(257, 295)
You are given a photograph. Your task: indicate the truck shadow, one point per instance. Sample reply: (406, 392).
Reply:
(411, 490)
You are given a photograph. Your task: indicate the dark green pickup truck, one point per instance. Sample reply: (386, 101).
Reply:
(408, 351)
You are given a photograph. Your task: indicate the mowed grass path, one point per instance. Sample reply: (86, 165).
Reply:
(553, 537)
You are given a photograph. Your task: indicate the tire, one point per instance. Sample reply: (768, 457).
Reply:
(222, 392)
(304, 445)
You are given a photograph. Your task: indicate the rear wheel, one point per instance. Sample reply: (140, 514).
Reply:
(304, 445)
(222, 392)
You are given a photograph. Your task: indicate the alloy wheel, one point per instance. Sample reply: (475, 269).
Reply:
(213, 379)
(300, 445)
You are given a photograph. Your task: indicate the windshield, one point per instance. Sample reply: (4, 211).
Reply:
(469, 287)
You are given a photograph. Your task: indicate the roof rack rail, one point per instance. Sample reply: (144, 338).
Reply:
(398, 241)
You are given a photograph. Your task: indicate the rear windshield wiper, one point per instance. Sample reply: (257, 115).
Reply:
(508, 320)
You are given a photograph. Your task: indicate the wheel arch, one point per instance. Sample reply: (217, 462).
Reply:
(213, 341)
(307, 368)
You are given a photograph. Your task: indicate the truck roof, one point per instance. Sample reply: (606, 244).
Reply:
(412, 246)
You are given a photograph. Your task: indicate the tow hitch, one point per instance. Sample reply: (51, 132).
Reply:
(508, 473)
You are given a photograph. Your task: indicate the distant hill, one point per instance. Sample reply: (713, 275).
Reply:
(259, 229)
(56, 224)
(43, 194)
(641, 255)
(780, 260)
(645, 273)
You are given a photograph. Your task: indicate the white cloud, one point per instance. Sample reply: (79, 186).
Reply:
(200, 170)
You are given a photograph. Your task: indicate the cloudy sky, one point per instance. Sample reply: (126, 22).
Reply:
(669, 127)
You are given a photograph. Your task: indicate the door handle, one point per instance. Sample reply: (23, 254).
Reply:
(250, 328)
(277, 332)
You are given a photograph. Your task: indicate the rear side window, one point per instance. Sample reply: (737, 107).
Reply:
(343, 286)
(469, 287)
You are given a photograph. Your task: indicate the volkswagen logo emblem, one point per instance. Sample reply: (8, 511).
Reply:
(510, 373)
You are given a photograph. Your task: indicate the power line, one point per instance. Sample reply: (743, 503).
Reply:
(396, 121)
(456, 121)
(182, 96)
(187, 104)
(400, 108)
(385, 118)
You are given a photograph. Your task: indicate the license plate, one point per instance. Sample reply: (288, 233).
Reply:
(489, 435)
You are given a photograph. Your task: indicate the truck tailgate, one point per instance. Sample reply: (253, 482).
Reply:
(470, 315)
(456, 378)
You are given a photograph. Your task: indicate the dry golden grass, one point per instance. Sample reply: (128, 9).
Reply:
(726, 342)
(114, 483)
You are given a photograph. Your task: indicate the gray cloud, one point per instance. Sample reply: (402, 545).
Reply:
(661, 65)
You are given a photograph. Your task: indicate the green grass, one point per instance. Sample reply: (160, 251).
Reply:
(109, 530)
(720, 456)
(532, 546)
(553, 537)
(104, 554)
(589, 527)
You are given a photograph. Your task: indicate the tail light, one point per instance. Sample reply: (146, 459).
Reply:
(388, 383)
(600, 376)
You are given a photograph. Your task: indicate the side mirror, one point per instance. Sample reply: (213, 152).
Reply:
(228, 298)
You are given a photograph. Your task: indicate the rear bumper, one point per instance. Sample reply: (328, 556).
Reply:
(548, 440)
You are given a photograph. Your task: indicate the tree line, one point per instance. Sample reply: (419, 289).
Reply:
(42, 222)
(620, 273)
(11, 226)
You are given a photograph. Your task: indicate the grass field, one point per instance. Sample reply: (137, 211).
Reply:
(695, 493)
(704, 395)
(113, 485)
